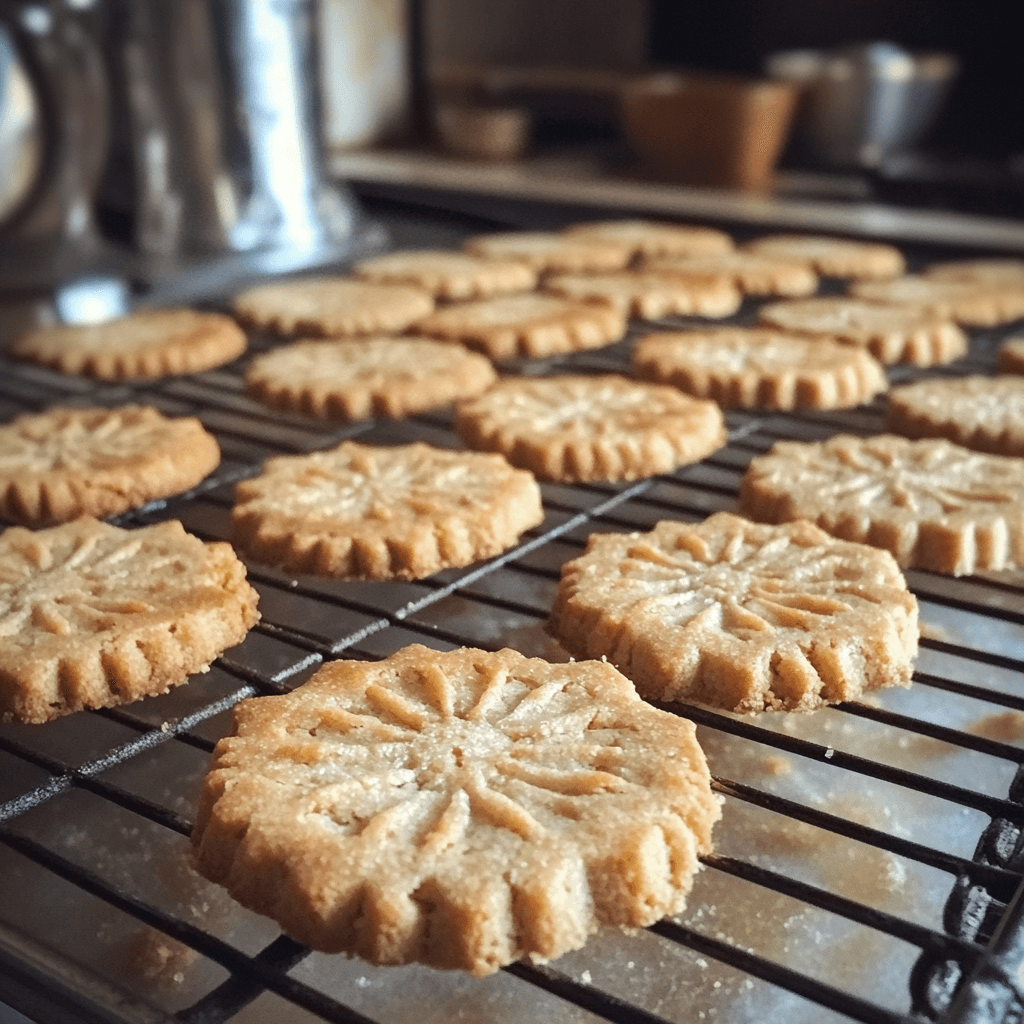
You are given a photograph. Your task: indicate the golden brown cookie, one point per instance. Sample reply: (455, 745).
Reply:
(360, 512)
(526, 325)
(748, 368)
(740, 616)
(463, 809)
(650, 294)
(983, 413)
(993, 271)
(750, 273)
(933, 504)
(449, 275)
(552, 252)
(655, 238)
(576, 428)
(92, 615)
(834, 257)
(65, 463)
(892, 334)
(971, 303)
(1011, 356)
(326, 307)
(360, 377)
(153, 343)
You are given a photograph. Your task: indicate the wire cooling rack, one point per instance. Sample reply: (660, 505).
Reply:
(865, 868)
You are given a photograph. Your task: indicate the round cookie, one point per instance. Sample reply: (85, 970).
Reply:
(655, 238)
(892, 334)
(404, 512)
(993, 271)
(526, 325)
(578, 428)
(65, 463)
(751, 274)
(331, 306)
(462, 809)
(552, 252)
(152, 343)
(448, 275)
(740, 616)
(747, 368)
(834, 257)
(92, 615)
(972, 303)
(983, 413)
(1011, 356)
(650, 295)
(933, 504)
(359, 377)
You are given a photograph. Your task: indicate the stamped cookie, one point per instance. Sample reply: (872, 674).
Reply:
(576, 428)
(65, 463)
(740, 616)
(153, 343)
(526, 325)
(464, 809)
(994, 271)
(449, 275)
(892, 334)
(552, 252)
(360, 377)
(651, 295)
(655, 238)
(933, 504)
(1011, 356)
(92, 615)
(360, 512)
(834, 257)
(983, 413)
(747, 368)
(751, 274)
(971, 303)
(331, 306)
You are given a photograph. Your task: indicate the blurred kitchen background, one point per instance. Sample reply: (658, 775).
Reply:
(168, 148)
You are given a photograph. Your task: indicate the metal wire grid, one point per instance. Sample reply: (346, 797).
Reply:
(307, 621)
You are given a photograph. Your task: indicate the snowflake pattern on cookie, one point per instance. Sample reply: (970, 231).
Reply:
(402, 512)
(933, 504)
(462, 809)
(739, 615)
(92, 615)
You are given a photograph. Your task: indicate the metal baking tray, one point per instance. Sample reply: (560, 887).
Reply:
(866, 867)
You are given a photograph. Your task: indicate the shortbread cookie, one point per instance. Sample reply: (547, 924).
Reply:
(356, 378)
(933, 504)
(750, 273)
(65, 463)
(526, 325)
(331, 306)
(983, 413)
(153, 343)
(740, 616)
(463, 809)
(892, 334)
(576, 428)
(359, 512)
(449, 275)
(92, 615)
(651, 294)
(1011, 356)
(994, 271)
(549, 251)
(971, 303)
(834, 257)
(747, 368)
(655, 238)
